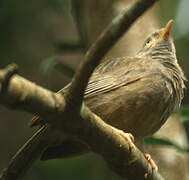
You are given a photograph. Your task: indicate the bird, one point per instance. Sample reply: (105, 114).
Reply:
(137, 94)
(132, 94)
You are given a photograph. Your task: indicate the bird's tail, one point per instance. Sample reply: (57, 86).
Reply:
(27, 155)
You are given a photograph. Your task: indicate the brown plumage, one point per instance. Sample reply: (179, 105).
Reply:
(137, 94)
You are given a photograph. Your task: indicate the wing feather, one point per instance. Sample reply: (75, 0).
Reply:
(123, 72)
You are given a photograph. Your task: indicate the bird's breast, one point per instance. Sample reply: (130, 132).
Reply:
(139, 108)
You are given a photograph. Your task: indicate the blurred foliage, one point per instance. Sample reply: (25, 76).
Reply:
(68, 47)
(60, 5)
(48, 64)
(163, 142)
(85, 167)
(181, 14)
(80, 23)
(185, 114)
(158, 141)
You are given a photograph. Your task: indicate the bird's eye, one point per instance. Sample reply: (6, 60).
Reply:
(148, 41)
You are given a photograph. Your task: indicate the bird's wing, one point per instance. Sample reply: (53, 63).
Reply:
(113, 74)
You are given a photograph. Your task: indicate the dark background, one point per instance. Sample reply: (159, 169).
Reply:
(47, 39)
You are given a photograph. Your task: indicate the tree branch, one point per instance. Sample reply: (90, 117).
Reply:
(114, 149)
(93, 131)
(18, 93)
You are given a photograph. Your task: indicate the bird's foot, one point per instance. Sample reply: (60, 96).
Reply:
(151, 161)
(128, 137)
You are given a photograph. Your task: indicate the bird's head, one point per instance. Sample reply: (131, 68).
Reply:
(159, 44)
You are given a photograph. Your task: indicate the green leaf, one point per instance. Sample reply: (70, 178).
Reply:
(64, 68)
(52, 63)
(185, 119)
(156, 141)
(47, 65)
(185, 114)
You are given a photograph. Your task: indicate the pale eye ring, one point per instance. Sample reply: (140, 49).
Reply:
(148, 41)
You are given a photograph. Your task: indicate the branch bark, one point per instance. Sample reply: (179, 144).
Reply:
(92, 130)
(25, 95)
(19, 93)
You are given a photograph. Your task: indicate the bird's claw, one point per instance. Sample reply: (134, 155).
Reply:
(128, 137)
(151, 161)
